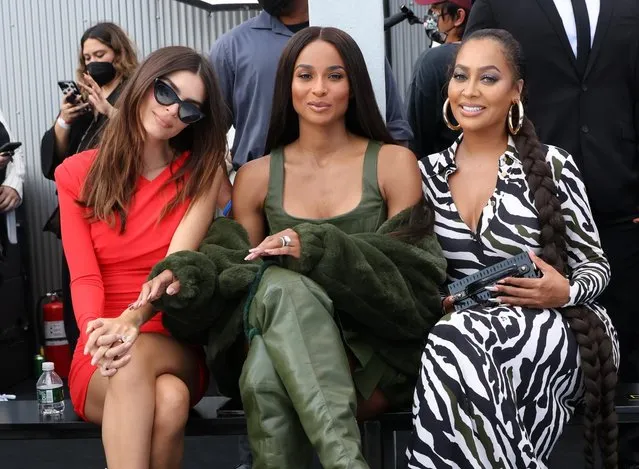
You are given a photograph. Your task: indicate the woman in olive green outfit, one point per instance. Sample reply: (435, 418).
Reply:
(336, 330)
(323, 168)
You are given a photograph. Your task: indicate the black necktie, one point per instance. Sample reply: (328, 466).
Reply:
(582, 22)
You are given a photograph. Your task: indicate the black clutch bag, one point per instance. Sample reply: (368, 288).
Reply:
(471, 290)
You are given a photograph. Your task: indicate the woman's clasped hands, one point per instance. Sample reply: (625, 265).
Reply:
(109, 341)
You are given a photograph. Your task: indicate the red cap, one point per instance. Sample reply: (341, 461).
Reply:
(461, 3)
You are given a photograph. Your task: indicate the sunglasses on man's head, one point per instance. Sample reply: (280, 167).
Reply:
(188, 113)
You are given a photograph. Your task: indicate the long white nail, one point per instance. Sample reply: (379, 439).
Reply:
(491, 288)
(494, 300)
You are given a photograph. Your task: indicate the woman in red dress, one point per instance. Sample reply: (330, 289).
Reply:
(149, 190)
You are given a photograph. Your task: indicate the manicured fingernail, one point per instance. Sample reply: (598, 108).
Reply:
(501, 282)
(170, 291)
(491, 288)
(252, 249)
(494, 300)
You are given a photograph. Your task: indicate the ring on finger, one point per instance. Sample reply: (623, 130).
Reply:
(286, 240)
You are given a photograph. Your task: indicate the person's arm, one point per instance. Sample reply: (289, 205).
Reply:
(187, 237)
(111, 339)
(249, 192)
(54, 147)
(481, 17)
(14, 176)
(87, 289)
(395, 119)
(424, 108)
(399, 178)
(225, 72)
(590, 270)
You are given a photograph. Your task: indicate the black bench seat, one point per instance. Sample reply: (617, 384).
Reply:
(19, 420)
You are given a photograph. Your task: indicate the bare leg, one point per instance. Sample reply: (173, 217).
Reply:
(125, 403)
(172, 403)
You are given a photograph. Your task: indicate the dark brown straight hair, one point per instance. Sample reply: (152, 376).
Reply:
(113, 175)
(595, 347)
(362, 116)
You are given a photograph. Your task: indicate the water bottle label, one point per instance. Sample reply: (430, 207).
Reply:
(50, 396)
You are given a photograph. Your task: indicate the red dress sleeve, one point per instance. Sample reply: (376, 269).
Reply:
(87, 289)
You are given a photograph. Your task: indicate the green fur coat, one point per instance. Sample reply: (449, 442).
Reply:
(385, 288)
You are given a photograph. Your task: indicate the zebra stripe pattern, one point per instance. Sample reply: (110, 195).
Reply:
(498, 384)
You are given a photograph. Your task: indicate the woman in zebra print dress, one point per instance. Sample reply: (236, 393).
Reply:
(499, 383)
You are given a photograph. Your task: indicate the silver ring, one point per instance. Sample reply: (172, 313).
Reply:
(286, 241)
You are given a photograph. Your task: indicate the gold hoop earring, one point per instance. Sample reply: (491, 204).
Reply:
(520, 122)
(445, 112)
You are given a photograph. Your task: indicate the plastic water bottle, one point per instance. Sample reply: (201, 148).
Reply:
(50, 392)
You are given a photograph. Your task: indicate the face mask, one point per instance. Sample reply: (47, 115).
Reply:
(101, 72)
(432, 31)
(276, 7)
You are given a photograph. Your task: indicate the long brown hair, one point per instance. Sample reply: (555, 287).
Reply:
(111, 35)
(362, 116)
(595, 347)
(113, 175)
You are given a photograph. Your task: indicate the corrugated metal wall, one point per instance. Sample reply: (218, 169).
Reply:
(407, 43)
(39, 43)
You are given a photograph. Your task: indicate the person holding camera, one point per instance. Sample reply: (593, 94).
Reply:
(11, 171)
(106, 60)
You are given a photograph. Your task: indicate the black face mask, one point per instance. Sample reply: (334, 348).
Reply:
(276, 7)
(101, 72)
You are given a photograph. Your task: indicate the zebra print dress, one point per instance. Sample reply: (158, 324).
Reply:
(497, 384)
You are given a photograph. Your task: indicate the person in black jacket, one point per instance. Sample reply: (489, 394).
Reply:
(583, 81)
(426, 93)
(106, 59)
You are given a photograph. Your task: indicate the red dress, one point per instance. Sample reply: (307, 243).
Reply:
(108, 267)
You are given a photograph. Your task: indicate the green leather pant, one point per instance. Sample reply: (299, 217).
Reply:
(296, 385)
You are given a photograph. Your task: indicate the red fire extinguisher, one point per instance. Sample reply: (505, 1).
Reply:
(56, 346)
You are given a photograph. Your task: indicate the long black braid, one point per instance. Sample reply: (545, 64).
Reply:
(595, 347)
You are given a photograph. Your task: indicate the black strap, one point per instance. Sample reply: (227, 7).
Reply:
(582, 22)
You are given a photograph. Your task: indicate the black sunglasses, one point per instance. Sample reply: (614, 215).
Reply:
(188, 113)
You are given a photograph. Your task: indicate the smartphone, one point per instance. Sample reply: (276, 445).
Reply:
(10, 147)
(70, 88)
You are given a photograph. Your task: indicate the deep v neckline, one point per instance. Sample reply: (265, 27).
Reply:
(174, 164)
(490, 201)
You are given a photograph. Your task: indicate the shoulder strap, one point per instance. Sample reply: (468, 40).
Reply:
(370, 181)
(276, 177)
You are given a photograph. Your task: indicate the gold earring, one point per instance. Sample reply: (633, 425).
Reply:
(445, 112)
(520, 122)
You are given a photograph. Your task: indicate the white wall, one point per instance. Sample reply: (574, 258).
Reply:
(364, 21)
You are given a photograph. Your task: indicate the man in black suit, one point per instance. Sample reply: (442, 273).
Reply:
(583, 96)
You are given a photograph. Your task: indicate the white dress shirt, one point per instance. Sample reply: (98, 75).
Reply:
(564, 7)
(14, 176)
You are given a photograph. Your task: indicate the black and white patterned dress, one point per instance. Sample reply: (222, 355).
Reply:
(498, 384)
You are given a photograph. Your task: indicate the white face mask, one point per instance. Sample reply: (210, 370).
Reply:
(432, 30)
